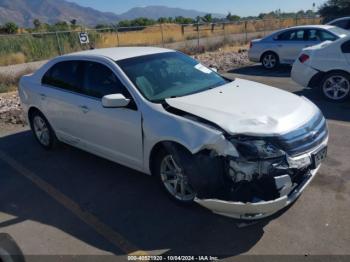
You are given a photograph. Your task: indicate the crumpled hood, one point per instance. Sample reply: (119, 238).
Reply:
(246, 107)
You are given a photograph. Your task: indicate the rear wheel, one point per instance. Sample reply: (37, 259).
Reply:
(336, 86)
(270, 60)
(173, 178)
(42, 130)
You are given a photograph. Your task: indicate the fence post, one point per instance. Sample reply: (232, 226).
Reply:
(264, 23)
(280, 23)
(117, 31)
(246, 31)
(223, 28)
(162, 33)
(198, 36)
(58, 43)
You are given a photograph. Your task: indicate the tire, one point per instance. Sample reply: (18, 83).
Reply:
(270, 60)
(9, 250)
(335, 86)
(42, 130)
(172, 177)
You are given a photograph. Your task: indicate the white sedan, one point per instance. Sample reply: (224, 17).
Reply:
(238, 148)
(326, 68)
(284, 46)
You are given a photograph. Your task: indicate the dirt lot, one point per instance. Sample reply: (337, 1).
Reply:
(68, 202)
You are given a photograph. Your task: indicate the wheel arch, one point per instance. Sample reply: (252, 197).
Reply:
(316, 80)
(32, 110)
(162, 145)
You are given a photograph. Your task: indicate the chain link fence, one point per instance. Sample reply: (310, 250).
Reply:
(190, 38)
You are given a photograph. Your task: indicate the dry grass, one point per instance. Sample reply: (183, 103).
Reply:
(11, 59)
(9, 82)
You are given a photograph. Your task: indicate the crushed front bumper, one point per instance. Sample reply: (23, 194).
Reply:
(253, 211)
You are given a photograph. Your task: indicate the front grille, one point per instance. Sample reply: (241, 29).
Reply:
(305, 138)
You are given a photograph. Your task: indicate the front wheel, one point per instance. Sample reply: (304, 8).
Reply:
(173, 178)
(270, 60)
(336, 86)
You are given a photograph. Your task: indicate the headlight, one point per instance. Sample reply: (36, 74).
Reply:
(257, 149)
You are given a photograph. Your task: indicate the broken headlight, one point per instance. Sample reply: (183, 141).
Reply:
(257, 149)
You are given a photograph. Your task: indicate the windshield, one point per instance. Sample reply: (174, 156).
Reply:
(168, 75)
(338, 31)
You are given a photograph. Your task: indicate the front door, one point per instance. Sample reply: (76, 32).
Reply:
(115, 133)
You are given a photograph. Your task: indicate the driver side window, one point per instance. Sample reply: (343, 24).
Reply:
(99, 81)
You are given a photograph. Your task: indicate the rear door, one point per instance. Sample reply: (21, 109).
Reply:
(63, 96)
(290, 43)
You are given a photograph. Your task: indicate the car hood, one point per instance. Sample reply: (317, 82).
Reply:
(246, 107)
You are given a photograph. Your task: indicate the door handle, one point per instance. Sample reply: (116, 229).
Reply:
(280, 45)
(85, 109)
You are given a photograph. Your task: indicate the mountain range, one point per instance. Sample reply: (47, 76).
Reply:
(23, 12)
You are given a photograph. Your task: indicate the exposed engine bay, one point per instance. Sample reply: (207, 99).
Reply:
(243, 180)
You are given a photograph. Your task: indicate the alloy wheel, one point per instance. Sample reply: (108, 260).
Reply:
(269, 61)
(336, 87)
(174, 180)
(41, 130)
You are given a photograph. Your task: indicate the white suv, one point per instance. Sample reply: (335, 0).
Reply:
(239, 148)
(343, 22)
(326, 68)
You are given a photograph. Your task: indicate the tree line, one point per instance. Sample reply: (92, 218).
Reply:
(330, 10)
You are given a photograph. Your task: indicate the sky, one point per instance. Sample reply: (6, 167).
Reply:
(239, 7)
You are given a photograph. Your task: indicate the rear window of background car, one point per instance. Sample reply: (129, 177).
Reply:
(320, 35)
(345, 24)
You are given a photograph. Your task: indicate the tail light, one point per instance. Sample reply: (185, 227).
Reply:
(250, 44)
(303, 58)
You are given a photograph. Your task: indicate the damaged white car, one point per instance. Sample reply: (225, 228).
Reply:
(239, 148)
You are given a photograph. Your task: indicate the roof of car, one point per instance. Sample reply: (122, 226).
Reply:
(120, 53)
(339, 19)
(314, 26)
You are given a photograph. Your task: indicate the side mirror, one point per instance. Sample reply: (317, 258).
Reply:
(115, 101)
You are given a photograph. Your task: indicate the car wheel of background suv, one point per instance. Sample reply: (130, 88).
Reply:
(335, 86)
(270, 60)
(42, 130)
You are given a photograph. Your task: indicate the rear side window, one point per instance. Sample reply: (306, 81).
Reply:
(99, 81)
(345, 24)
(292, 35)
(345, 48)
(66, 75)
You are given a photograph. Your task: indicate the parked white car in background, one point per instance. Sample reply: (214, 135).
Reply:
(283, 47)
(325, 67)
(238, 148)
(343, 22)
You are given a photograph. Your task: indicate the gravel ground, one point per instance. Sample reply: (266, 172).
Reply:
(224, 60)
(10, 109)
